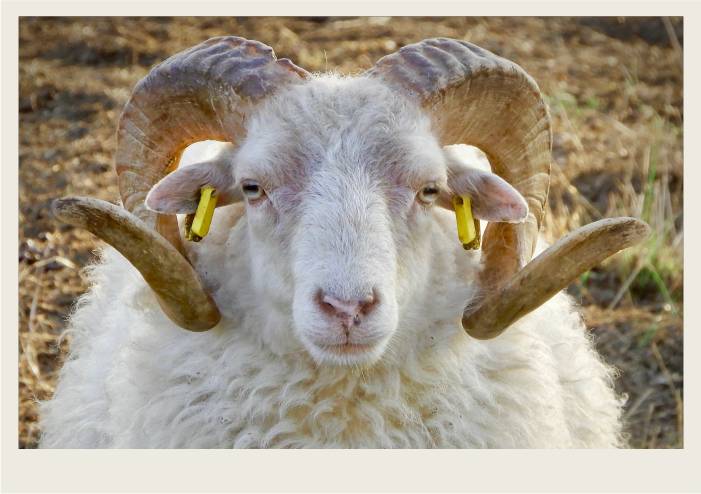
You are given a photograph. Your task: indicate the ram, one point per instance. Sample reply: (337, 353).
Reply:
(332, 304)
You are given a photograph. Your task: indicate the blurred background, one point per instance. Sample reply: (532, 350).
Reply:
(615, 90)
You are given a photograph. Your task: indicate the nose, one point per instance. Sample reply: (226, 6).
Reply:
(349, 312)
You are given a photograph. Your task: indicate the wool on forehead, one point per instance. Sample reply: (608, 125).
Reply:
(341, 120)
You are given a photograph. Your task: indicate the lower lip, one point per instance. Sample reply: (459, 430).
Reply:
(347, 349)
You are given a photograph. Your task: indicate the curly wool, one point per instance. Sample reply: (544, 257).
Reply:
(135, 380)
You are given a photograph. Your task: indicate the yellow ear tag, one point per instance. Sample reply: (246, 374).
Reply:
(468, 227)
(203, 217)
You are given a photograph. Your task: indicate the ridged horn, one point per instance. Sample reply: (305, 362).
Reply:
(203, 93)
(551, 272)
(475, 97)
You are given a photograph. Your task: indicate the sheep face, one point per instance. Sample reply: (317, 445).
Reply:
(331, 172)
(341, 178)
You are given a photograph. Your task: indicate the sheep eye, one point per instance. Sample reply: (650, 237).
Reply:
(428, 193)
(252, 190)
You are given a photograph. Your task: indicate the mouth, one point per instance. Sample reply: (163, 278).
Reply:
(347, 354)
(347, 349)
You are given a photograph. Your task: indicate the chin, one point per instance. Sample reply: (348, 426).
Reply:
(348, 355)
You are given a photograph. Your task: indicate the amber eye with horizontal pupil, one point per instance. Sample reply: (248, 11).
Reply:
(252, 190)
(428, 193)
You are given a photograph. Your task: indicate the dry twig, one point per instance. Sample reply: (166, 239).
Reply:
(677, 394)
(673, 38)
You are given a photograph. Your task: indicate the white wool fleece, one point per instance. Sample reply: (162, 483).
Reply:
(135, 380)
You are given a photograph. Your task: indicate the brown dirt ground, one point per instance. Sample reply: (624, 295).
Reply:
(607, 79)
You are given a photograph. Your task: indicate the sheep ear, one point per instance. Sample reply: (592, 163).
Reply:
(492, 198)
(179, 191)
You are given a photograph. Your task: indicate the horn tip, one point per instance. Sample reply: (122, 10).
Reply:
(63, 206)
(478, 331)
(635, 230)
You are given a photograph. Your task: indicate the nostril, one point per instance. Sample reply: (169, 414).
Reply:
(350, 308)
(347, 308)
(367, 303)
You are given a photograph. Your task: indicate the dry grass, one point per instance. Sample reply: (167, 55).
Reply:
(616, 96)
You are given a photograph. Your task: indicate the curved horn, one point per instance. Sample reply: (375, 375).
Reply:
(203, 93)
(475, 97)
(551, 272)
(178, 289)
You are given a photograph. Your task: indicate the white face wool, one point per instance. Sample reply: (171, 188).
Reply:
(336, 167)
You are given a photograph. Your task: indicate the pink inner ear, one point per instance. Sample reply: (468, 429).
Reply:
(491, 197)
(175, 194)
(496, 200)
(178, 192)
